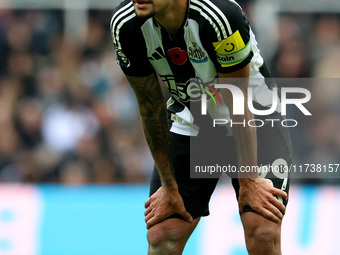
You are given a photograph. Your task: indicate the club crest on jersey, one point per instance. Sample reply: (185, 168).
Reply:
(196, 54)
(122, 59)
(232, 50)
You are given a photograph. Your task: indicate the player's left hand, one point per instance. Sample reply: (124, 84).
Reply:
(259, 194)
(163, 203)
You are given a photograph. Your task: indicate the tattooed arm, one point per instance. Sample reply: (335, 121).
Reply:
(152, 109)
(166, 201)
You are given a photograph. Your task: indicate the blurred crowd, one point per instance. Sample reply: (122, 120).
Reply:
(309, 47)
(66, 112)
(68, 115)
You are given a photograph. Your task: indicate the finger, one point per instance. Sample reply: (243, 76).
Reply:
(278, 204)
(186, 216)
(270, 207)
(147, 203)
(153, 221)
(147, 211)
(149, 216)
(269, 215)
(241, 206)
(279, 193)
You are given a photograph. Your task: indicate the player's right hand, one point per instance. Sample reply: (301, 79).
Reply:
(163, 203)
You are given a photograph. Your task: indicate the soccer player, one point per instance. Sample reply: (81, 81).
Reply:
(184, 42)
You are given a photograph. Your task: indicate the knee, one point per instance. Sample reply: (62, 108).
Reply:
(262, 238)
(163, 237)
(266, 235)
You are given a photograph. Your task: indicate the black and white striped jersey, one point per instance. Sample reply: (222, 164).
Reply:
(215, 37)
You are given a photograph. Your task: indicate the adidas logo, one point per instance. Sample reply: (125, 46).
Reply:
(157, 55)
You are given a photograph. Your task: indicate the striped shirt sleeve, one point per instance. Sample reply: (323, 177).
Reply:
(233, 45)
(128, 41)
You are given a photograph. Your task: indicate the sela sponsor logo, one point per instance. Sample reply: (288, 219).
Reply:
(239, 106)
(191, 90)
(196, 54)
(122, 59)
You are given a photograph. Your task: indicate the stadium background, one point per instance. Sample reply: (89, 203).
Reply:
(74, 165)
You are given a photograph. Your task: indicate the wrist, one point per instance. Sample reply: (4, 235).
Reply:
(246, 181)
(246, 177)
(172, 189)
(170, 185)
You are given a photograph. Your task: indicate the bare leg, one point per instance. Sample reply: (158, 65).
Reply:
(263, 237)
(170, 236)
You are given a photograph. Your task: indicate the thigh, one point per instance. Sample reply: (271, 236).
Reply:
(262, 236)
(274, 156)
(196, 192)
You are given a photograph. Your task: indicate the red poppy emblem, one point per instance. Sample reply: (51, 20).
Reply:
(178, 56)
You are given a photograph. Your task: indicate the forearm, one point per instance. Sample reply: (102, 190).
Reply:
(246, 145)
(244, 135)
(152, 110)
(158, 138)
